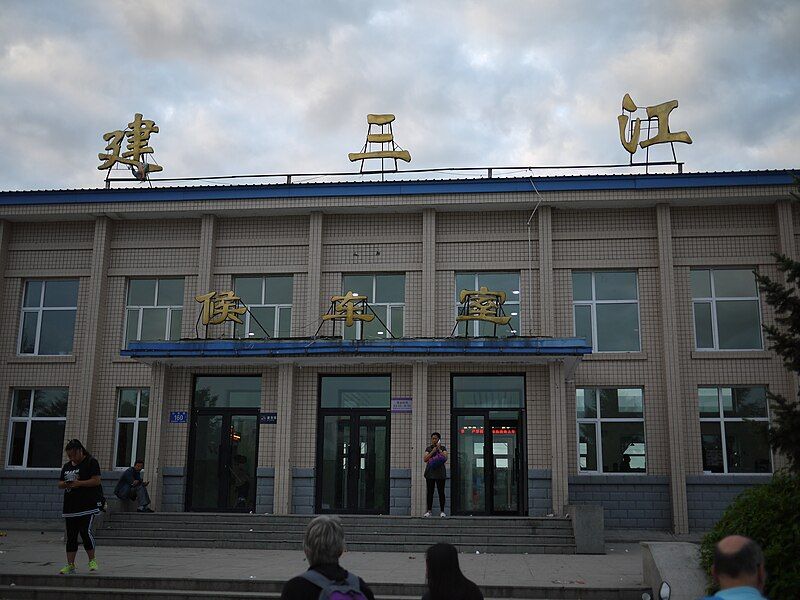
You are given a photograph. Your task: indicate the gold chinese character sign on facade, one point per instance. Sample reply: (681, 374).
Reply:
(383, 141)
(219, 307)
(348, 308)
(482, 305)
(137, 148)
(659, 112)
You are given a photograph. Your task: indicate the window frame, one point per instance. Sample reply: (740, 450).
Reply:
(170, 308)
(135, 420)
(358, 325)
(712, 300)
(278, 307)
(592, 304)
(476, 324)
(29, 420)
(722, 419)
(598, 421)
(39, 310)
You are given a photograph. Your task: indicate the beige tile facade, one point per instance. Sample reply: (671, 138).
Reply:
(660, 233)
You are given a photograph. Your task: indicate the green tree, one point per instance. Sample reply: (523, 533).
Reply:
(784, 337)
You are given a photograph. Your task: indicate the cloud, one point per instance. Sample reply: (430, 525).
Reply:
(254, 87)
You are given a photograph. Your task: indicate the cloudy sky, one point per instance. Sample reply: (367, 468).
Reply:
(244, 87)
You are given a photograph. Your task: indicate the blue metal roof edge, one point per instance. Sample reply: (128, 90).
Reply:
(323, 346)
(400, 188)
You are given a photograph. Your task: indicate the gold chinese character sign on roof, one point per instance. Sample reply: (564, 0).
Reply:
(219, 307)
(349, 308)
(630, 129)
(380, 145)
(482, 305)
(137, 148)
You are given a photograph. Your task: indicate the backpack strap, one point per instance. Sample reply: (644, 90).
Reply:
(353, 582)
(317, 578)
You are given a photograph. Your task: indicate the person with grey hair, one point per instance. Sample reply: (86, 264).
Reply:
(323, 544)
(738, 569)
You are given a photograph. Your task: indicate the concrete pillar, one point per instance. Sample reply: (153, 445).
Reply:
(559, 427)
(314, 272)
(546, 316)
(5, 235)
(671, 371)
(787, 246)
(205, 268)
(283, 437)
(428, 321)
(785, 220)
(420, 436)
(82, 406)
(157, 422)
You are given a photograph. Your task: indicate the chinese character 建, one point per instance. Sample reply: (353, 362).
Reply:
(220, 307)
(138, 136)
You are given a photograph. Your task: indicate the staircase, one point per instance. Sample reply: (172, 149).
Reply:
(91, 587)
(364, 533)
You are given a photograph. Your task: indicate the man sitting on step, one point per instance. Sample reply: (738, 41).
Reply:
(131, 487)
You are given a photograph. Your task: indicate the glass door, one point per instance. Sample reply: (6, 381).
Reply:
(223, 461)
(354, 461)
(488, 465)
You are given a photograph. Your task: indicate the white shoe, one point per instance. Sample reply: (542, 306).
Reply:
(427, 514)
(442, 515)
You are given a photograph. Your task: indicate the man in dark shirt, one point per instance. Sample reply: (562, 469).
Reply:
(80, 480)
(131, 487)
(435, 472)
(323, 544)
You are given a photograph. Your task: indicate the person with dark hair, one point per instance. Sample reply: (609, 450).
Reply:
(444, 578)
(323, 545)
(131, 487)
(80, 480)
(738, 569)
(435, 472)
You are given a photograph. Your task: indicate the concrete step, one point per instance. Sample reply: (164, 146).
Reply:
(100, 586)
(492, 547)
(452, 536)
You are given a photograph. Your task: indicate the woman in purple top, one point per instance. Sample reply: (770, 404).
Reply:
(435, 472)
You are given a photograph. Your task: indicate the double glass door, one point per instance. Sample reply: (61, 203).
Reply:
(489, 463)
(353, 455)
(223, 462)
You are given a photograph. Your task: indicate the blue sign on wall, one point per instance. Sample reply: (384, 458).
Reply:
(268, 418)
(180, 416)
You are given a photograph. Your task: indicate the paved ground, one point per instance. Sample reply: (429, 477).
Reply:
(33, 552)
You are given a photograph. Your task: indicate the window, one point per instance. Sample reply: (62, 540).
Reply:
(357, 391)
(155, 309)
(36, 436)
(270, 302)
(131, 425)
(386, 296)
(611, 430)
(48, 317)
(494, 282)
(733, 429)
(726, 309)
(606, 310)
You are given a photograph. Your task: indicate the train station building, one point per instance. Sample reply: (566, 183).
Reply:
(575, 339)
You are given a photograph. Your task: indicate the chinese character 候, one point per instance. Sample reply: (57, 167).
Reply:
(220, 307)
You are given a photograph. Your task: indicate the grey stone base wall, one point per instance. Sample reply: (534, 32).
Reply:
(708, 496)
(629, 501)
(540, 498)
(173, 497)
(30, 494)
(302, 491)
(265, 490)
(400, 492)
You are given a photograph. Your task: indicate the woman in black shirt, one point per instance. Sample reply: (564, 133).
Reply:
(80, 480)
(444, 576)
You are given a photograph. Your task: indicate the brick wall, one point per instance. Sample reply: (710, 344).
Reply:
(629, 501)
(540, 500)
(709, 495)
(265, 490)
(174, 479)
(400, 492)
(302, 491)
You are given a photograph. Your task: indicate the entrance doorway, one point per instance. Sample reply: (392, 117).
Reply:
(489, 467)
(353, 445)
(223, 451)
